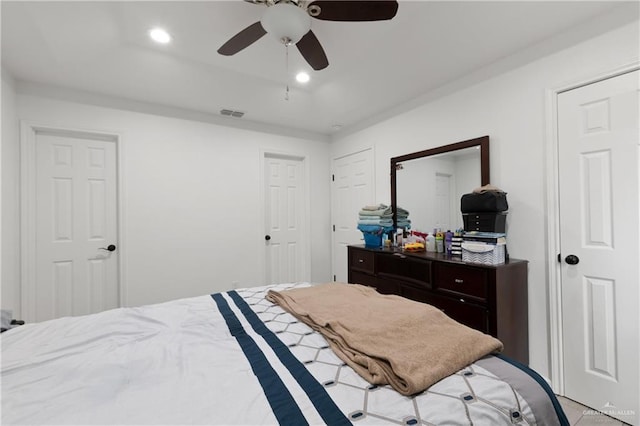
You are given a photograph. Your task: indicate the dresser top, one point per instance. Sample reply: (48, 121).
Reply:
(440, 257)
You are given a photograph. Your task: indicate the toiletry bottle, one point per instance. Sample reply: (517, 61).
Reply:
(439, 242)
(448, 237)
(431, 243)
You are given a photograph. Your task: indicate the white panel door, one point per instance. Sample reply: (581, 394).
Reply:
(76, 214)
(285, 193)
(598, 159)
(351, 190)
(443, 199)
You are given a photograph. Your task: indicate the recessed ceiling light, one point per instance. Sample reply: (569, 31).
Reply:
(160, 36)
(303, 77)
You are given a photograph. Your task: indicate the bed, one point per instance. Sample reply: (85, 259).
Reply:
(235, 358)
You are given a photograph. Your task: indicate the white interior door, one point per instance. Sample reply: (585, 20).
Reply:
(442, 204)
(351, 190)
(598, 158)
(285, 238)
(75, 217)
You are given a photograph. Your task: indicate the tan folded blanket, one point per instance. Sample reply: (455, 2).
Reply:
(387, 339)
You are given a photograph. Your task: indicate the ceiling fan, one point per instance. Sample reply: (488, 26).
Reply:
(289, 21)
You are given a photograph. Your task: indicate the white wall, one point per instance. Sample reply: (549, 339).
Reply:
(511, 109)
(192, 220)
(10, 154)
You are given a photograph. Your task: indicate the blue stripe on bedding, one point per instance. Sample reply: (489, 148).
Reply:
(327, 409)
(282, 403)
(562, 417)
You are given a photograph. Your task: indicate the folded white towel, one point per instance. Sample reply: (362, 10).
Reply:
(379, 212)
(376, 207)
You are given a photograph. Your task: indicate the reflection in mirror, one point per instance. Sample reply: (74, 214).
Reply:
(429, 184)
(430, 187)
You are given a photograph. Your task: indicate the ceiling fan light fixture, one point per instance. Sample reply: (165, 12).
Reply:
(286, 22)
(159, 35)
(302, 77)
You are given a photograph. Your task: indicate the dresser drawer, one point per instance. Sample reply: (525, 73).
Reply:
(485, 222)
(462, 281)
(361, 278)
(400, 267)
(469, 314)
(419, 295)
(387, 287)
(362, 260)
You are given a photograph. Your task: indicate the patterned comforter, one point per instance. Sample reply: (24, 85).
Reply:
(234, 358)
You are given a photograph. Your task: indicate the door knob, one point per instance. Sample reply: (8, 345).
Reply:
(110, 247)
(267, 237)
(572, 259)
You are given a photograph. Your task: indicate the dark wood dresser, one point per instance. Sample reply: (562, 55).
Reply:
(492, 299)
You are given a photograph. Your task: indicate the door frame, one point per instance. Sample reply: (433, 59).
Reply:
(28, 133)
(554, 277)
(305, 222)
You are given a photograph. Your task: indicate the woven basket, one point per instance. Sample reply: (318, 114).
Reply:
(487, 254)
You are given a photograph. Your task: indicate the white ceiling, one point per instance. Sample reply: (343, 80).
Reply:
(374, 67)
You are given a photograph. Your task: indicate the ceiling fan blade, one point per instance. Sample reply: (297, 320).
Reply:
(244, 38)
(312, 51)
(353, 10)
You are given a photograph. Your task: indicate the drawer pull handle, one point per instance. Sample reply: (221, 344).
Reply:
(462, 300)
(360, 260)
(400, 255)
(459, 281)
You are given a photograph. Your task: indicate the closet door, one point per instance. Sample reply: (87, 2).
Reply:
(285, 220)
(351, 189)
(72, 259)
(599, 232)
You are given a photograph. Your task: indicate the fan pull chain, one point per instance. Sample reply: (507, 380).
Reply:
(286, 93)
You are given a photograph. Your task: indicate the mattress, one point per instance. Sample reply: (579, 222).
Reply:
(234, 358)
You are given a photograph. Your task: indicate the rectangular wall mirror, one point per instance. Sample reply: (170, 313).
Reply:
(429, 184)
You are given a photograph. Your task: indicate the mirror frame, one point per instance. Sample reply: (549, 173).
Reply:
(482, 142)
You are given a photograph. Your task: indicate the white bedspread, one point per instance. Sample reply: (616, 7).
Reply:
(184, 362)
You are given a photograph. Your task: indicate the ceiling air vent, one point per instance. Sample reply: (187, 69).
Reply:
(231, 113)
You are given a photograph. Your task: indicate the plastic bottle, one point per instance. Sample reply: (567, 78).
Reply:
(431, 243)
(440, 242)
(448, 237)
